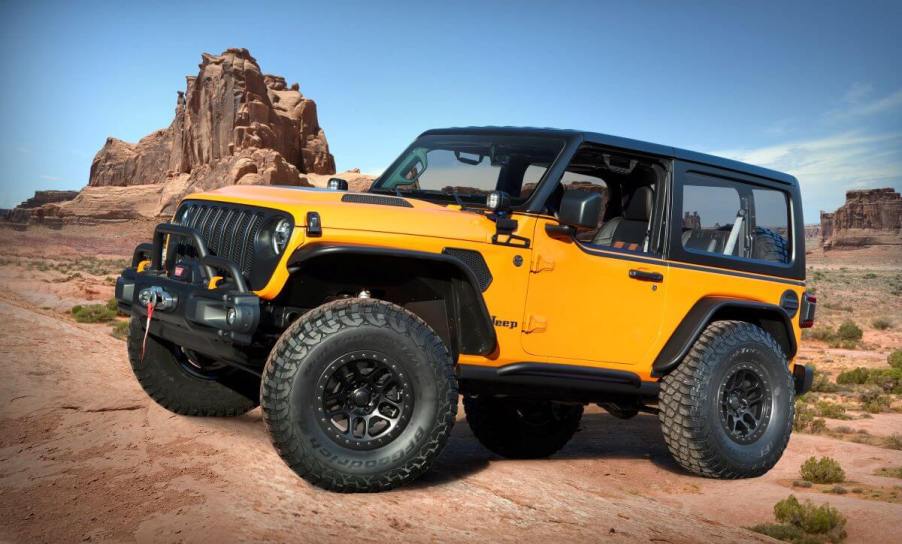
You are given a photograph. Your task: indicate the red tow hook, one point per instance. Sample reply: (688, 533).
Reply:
(150, 306)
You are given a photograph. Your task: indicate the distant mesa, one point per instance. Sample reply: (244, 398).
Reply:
(868, 217)
(233, 125)
(47, 197)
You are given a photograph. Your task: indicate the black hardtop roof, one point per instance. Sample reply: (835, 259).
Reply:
(627, 144)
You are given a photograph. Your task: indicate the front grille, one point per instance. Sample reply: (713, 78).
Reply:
(228, 231)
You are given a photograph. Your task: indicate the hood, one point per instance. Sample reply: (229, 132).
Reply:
(345, 210)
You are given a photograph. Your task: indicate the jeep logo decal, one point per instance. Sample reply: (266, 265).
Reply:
(504, 323)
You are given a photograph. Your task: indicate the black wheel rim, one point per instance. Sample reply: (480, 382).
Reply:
(745, 404)
(364, 400)
(197, 365)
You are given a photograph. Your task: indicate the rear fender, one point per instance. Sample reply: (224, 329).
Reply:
(770, 317)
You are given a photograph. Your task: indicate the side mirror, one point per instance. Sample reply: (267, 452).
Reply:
(337, 184)
(580, 210)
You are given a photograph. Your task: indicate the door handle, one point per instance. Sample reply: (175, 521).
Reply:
(644, 275)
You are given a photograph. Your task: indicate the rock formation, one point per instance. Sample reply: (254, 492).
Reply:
(869, 217)
(233, 124)
(47, 197)
(34, 207)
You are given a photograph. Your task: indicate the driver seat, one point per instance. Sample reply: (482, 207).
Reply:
(629, 230)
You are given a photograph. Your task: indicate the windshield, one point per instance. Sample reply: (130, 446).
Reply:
(438, 166)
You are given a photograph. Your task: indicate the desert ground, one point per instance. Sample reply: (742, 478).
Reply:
(85, 455)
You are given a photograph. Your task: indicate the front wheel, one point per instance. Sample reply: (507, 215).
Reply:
(186, 383)
(359, 395)
(726, 411)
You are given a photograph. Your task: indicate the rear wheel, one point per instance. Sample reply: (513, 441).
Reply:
(520, 428)
(186, 383)
(359, 395)
(727, 409)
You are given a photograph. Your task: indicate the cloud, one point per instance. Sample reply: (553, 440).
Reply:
(849, 153)
(858, 92)
(857, 103)
(826, 167)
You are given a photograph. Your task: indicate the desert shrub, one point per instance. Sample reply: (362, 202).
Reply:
(890, 472)
(805, 418)
(895, 359)
(824, 334)
(822, 383)
(113, 306)
(804, 523)
(894, 441)
(825, 470)
(831, 410)
(882, 323)
(801, 483)
(120, 330)
(856, 376)
(780, 531)
(889, 379)
(93, 313)
(817, 426)
(838, 490)
(847, 335)
(804, 414)
(874, 401)
(810, 518)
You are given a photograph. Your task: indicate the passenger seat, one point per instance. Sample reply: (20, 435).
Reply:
(629, 230)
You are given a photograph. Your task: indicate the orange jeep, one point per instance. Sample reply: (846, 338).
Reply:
(532, 271)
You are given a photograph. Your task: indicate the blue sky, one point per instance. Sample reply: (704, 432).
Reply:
(813, 88)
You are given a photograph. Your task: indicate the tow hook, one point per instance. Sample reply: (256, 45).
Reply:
(158, 297)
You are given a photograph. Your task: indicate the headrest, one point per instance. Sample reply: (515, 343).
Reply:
(640, 205)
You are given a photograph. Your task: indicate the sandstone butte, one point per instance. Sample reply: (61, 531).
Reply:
(868, 217)
(233, 125)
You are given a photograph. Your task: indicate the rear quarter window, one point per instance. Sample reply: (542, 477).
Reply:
(734, 219)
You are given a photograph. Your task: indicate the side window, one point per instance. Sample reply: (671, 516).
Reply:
(730, 218)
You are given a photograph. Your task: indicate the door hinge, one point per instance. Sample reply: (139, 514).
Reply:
(541, 264)
(535, 323)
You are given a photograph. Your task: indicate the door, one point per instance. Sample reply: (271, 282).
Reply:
(591, 304)
(599, 297)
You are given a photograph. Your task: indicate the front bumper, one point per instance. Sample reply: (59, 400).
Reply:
(198, 316)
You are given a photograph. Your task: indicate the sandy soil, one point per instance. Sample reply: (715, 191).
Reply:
(86, 455)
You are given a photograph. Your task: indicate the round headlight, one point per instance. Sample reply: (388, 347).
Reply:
(280, 235)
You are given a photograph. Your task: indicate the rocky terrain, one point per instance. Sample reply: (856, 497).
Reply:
(868, 217)
(233, 125)
(85, 455)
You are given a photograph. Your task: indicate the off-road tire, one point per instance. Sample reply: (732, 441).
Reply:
(228, 392)
(501, 426)
(304, 353)
(770, 246)
(690, 407)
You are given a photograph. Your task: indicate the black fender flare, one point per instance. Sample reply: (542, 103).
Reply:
(770, 317)
(468, 289)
